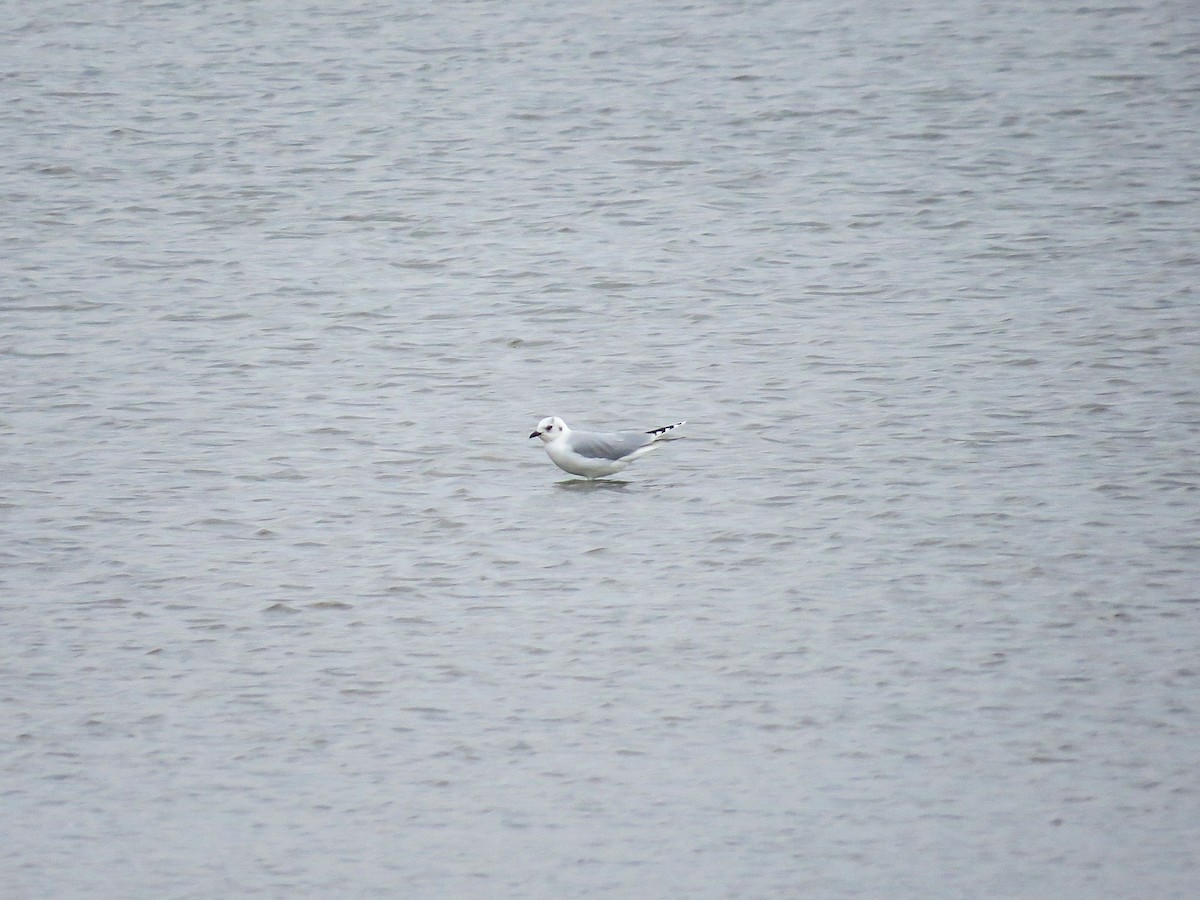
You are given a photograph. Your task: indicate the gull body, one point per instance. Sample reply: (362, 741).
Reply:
(595, 454)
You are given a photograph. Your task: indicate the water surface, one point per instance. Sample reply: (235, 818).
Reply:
(292, 605)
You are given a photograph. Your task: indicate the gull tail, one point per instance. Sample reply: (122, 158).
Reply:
(659, 433)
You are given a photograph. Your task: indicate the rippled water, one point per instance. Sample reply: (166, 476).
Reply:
(292, 605)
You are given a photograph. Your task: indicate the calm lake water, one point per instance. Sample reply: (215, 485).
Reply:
(291, 605)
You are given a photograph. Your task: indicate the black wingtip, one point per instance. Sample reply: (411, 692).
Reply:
(666, 428)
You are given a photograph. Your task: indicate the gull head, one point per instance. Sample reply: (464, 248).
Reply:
(549, 428)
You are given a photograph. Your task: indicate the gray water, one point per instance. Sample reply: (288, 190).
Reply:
(292, 607)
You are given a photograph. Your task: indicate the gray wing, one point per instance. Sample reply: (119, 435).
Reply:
(614, 446)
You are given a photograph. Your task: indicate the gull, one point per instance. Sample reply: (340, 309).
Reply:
(594, 454)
